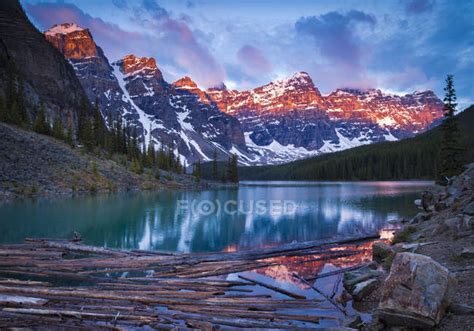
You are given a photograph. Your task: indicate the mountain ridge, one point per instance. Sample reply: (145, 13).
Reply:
(284, 120)
(411, 158)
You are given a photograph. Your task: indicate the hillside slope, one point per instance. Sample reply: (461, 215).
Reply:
(413, 158)
(36, 165)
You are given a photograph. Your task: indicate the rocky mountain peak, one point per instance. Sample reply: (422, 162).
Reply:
(219, 87)
(72, 40)
(300, 78)
(185, 83)
(280, 96)
(64, 28)
(132, 65)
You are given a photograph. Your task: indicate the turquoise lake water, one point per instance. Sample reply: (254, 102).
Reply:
(253, 215)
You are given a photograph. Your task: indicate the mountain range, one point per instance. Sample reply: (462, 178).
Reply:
(412, 158)
(282, 121)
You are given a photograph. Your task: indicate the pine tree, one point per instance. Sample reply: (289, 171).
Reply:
(232, 169)
(136, 166)
(87, 133)
(40, 125)
(3, 110)
(214, 165)
(223, 176)
(151, 155)
(85, 130)
(58, 129)
(70, 137)
(99, 128)
(450, 154)
(20, 101)
(198, 171)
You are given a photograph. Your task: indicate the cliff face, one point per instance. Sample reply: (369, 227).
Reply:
(95, 73)
(291, 117)
(178, 115)
(45, 74)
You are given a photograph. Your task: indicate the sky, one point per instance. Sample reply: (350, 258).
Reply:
(398, 46)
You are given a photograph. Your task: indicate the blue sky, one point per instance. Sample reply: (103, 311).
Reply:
(398, 45)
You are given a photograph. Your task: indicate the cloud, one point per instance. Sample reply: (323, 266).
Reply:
(171, 41)
(418, 6)
(334, 34)
(253, 60)
(423, 53)
(339, 51)
(121, 4)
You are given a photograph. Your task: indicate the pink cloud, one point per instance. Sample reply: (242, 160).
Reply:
(253, 60)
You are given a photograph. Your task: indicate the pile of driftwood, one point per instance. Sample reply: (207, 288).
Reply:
(58, 283)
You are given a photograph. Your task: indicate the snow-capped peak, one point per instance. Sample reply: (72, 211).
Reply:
(185, 83)
(299, 78)
(64, 28)
(133, 65)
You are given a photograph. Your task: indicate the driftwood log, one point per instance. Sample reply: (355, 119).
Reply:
(48, 283)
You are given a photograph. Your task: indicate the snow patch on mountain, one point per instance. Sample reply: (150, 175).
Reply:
(64, 28)
(146, 120)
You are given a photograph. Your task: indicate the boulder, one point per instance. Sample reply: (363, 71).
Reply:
(360, 283)
(381, 251)
(469, 209)
(354, 322)
(440, 205)
(468, 222)
(415, 292)
(427, 200)
(439, 229)
(420, 217)
(363, 289)
(467, 253)
(461, 309)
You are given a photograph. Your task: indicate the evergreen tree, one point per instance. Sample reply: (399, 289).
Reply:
(41, 125)
(214, 165)
(134, 143)
(70, 137)
(223, 176)
(198, 171)
(450, 153)
(15, 111)
(151, 154)
(85, 130)
(58, 129)
(232, 169)
(20, 101)
(136, 166)
(157, 173)
(87, 133)
(99, 128)
(3, 110)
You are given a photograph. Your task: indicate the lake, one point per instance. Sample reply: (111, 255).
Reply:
(255, 214)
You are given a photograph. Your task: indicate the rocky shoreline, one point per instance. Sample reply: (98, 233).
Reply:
(422, 279)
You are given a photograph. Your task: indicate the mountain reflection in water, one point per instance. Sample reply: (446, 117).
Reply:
(154, 220)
